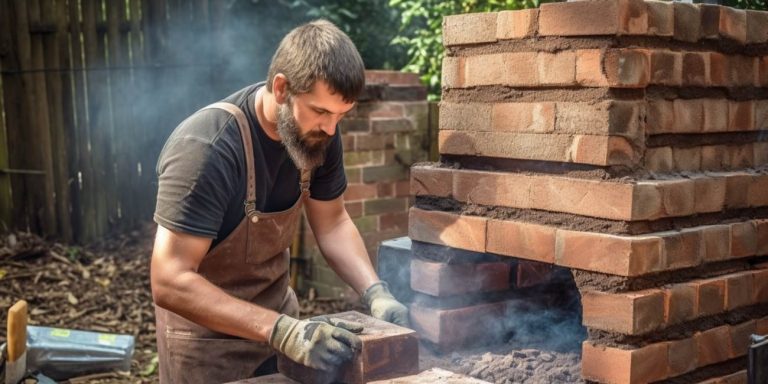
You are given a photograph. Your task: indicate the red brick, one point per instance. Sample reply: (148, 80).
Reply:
(388, 351)
(683, 356)
(465, 117)
(761, 154)
(739, 377)
(493, 188)
(458, 231)
(715, 115)
(589, 72)
(719, 71)
(758, 195)
(516, 24)
(682, 249)
(631, 313)
(661, 117)
(403, 188)
(441, 279)
(745, 70)
(520, 69)
(714, 157)
(743, 239)
(530, 273)
(738, 290)
(391, 77)
(602, 150)
(689, 115)
(666, 67)
(430, 376)
(529, 146)
(469, 28)
(397, 221)
(762, 79)
(579, 18)
(717, 242)
(487, 70)
(624, 366)
(380, 109)
(557, 68)
(760, 286)
(740, 337)
(762, 237)
(523, 240)
(741, 156)
(455, 327)
(709, 194)
(627, 68)
(523, 117)
(646, 201)
(741, 116)
(452, 73)
(737, 188)
(661, 18)
(617, 255)
(584, 197)
(431, 181)
(687, 22)
(356, 192)
(659, 159)
(695, 65)
(733, 24)
(761, 114)
(680, 303)
(711, 296)
(686, 159)
(757, 27)
(603, 118)
(714, 345)
(710, 21)
(676, 197)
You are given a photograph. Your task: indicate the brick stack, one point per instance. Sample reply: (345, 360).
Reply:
(382, 137)
(624, 140)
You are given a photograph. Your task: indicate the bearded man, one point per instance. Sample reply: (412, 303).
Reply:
(233, 178)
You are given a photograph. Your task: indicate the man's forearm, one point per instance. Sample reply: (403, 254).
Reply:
(345, 252)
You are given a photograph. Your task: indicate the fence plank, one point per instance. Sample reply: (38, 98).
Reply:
(55, 101)
(98, 113)
(6, 196)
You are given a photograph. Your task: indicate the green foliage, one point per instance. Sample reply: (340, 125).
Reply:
(371, 24)
(760, 5)
(422, 28)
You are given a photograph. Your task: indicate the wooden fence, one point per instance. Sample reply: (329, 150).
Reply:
(89, 93)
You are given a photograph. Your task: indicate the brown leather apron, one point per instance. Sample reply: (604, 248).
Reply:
(250, 264)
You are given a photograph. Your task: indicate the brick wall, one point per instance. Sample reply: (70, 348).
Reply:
(626, 140)
(382, 136)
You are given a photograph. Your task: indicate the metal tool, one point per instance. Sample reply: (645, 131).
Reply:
(16, 362)
(757, 371)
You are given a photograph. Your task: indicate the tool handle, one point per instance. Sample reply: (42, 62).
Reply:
(17, 330)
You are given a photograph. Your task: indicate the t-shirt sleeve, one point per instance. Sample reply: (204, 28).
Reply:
(196, 181)
(329, 180)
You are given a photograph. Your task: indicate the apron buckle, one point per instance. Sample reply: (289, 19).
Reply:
(250, 210)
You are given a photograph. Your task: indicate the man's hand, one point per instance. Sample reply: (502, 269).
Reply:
(320, 342)
(384, 306)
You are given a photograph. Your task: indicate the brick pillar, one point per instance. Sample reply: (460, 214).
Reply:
(382, 137)
(625, 140)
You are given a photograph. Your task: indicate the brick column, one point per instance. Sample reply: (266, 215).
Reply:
(626, 140)
(382, 137)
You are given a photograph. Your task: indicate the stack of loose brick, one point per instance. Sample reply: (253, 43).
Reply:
(626, 140)
(382, 137)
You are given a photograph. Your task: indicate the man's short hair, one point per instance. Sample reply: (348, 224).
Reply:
(315, 51)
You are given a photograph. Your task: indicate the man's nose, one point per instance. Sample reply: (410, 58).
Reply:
(329, 124)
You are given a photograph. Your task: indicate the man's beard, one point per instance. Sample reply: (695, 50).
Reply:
(307, 151)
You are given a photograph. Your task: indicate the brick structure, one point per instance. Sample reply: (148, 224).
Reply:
(626, 140)
(382, 136)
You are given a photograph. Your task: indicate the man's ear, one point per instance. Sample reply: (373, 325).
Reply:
(280, 88)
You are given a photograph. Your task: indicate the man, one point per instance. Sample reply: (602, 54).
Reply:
(233, 178)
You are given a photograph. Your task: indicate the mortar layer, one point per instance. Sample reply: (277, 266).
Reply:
(588, 224)
(556, 43)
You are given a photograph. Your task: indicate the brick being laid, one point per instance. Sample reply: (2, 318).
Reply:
(622, 255)
(614, 200)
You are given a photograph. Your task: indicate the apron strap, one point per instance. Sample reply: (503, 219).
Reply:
(245, 134)
(306, 175)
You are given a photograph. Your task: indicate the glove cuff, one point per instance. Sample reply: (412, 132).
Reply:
(375, 291)
(283, 326)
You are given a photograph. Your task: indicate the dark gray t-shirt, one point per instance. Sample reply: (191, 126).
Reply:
(202, 174)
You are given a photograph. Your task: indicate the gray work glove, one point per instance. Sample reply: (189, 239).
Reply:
(384, 306)
(319, 342)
